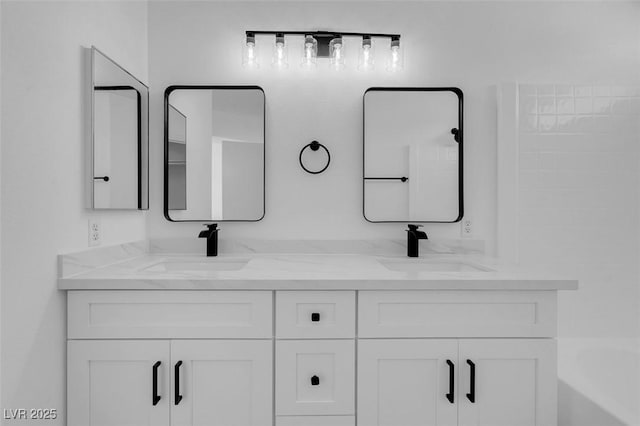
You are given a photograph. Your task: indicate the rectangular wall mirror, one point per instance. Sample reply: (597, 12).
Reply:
(119, 172)
(412, 155)
(214, 153)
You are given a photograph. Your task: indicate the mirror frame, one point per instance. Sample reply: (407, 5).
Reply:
(458, 92)
(143, 193)
(167, 93)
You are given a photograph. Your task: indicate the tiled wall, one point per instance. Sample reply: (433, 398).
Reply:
(566, 109)
(578, 214)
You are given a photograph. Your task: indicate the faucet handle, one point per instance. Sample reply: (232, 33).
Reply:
(414, 227)
(211, 226)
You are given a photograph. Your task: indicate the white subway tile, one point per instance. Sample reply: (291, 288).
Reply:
(564, 90)
(546, 90)
(546, 104)
(565, 105)
(583, 91)
(529, 123)
(583, 105)
(528, 105)
(528, 89)
(601, 91)
(547, 123)
(602, 105)
(529, 161)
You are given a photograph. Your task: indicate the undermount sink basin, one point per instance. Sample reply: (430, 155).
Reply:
(432, 266)
(211, 265)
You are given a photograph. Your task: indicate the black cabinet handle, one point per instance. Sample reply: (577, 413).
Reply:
(104, 178)
(176, 372)
(315, 317)
(472, 382)
(154, 393)
(451, 381)
(315, 381)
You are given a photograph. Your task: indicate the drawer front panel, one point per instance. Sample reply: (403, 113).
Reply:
(169, 314)
(315, 314)
(315, 421)
(456, 314)
(315, 377)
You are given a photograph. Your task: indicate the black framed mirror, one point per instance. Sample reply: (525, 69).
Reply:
(214, 146)
(119, 150)
(413, 155)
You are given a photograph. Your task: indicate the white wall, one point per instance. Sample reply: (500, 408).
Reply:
(42, 175)
(471, 45)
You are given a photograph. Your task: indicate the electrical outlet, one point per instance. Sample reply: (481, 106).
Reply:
(95, 232)
(466, 228)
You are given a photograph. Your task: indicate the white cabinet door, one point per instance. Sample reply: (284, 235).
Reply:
(407, 382)
(222, 383)
(515, 382)
(111, 383)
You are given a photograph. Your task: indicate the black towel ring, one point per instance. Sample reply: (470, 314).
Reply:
(315, 145)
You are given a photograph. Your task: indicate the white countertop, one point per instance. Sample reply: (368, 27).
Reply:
(129, 267)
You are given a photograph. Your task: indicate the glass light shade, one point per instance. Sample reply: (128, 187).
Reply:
(366, 57)
(396, 58)
(250, 53)
(280, 53)
(309, 52)
(336, 52)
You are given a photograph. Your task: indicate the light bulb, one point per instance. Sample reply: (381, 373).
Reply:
(395, 56)
(336, 49)
(280, 52)
(395, 61)
(310, 52)
(366, 62)
(250, 52)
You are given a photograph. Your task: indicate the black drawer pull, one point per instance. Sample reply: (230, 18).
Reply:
(315, 380)
(315, 317)
(472, 382)
(176, 371)
(451, 381)
(154, 393)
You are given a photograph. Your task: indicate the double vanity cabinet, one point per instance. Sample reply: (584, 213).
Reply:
(311, 358)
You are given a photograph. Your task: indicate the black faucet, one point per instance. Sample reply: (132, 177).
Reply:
(211, 234)
(413, 236)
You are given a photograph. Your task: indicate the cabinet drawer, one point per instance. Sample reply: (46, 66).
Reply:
(456, 314)
(169, 314)
(315, 314)
(315, 377)
(315, 421)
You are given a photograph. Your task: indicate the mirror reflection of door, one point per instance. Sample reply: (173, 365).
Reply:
(411, 157)
(177, 161)
(119, 170)
(223, 167)
(116, 145)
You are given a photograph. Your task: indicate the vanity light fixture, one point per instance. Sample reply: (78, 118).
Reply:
(324, 44)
